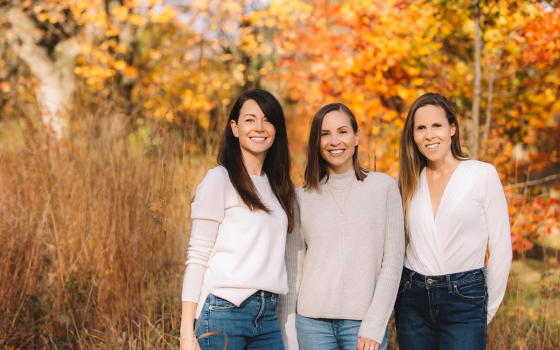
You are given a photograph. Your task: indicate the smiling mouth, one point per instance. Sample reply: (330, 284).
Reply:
(432, 146)
(336, 152)
(258, 139)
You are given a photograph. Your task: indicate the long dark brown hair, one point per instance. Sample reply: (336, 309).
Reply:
(276, 164)
(411, 160)
(316, 168)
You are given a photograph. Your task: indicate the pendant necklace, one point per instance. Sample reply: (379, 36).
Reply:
(339, 207)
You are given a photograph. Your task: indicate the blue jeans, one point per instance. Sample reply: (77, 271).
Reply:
(253, 325)
(442, 312)
(329, 334)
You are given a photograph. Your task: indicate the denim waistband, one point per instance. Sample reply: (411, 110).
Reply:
(457, 278)
(265, 294)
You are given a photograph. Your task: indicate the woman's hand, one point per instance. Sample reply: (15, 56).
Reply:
(189, 343)
(366, 344)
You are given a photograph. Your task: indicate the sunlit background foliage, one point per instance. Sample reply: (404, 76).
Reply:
(111, 112)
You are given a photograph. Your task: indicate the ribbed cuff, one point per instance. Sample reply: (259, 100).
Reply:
(192, 283)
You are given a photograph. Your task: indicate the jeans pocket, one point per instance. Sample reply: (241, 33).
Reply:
(402, 286)
(471, 291)
(219, 304)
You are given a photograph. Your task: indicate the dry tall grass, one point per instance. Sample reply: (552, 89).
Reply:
(93, 237)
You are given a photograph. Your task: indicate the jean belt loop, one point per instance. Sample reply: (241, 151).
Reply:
(484, 273)
(410, 278)
(448, 283)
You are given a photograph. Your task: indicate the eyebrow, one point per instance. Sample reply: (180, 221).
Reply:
(342, 127)
(252, 115)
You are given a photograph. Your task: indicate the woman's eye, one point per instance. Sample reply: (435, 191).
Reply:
(343, 131)
(324, 134)
(420, 128)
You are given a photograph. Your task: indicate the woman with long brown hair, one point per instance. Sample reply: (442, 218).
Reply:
(345, 255)
(241, 214)
(454, 208)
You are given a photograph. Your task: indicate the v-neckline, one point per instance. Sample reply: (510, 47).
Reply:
(434, 218)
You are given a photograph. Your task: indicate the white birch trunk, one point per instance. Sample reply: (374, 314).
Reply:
(55, 72)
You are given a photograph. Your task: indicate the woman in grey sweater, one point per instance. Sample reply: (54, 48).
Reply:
(345, 255)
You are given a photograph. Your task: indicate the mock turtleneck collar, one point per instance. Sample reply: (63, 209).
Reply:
(335, 179)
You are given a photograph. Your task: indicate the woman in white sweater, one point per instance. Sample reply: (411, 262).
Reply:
(345, 255)
(242, 212)
(454, 209)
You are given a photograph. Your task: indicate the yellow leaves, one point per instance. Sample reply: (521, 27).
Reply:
(120, 65)
(120, 13)
(402, 92)
(5, 87)
(112, 31)
(167, 14)
(130, 72)
(137, 20)
(374, 129)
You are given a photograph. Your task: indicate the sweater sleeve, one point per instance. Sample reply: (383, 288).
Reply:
(499, 239)
(207, 212)
(375, 321)
(294, 256)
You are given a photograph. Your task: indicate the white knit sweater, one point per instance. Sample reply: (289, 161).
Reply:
(234, 251)
(345, 267)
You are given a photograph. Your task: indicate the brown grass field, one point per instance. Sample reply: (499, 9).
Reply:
(94, 232)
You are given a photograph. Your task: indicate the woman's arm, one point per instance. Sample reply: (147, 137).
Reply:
(294, 256)
(499, 239)
(375, 322)
(207, 212)
(188, 339)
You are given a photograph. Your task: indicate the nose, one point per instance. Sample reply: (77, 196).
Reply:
(334, 140)
(430, 134)
(260, 126)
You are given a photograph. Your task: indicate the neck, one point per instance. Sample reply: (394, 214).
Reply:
(253, 162)
(443, 165)
(341, 169)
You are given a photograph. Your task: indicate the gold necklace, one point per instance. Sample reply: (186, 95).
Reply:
(343, 188)
(341, 208)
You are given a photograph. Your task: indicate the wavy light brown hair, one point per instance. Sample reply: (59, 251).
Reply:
(411, 160)
(316, 168)
(276, 164)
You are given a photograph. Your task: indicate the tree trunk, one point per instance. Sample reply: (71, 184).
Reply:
(488, 114)
(474, 141)
(55, 72)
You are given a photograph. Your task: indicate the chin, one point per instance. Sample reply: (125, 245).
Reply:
(433, 157)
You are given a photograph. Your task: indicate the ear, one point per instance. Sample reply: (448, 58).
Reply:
(453, 129)
(357, 138)
(233, 125)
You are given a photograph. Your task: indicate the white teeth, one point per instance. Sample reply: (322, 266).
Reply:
(258, 138)
(337, 151)
(432, 146)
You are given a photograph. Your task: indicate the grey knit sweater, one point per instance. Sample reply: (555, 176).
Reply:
(345, 267)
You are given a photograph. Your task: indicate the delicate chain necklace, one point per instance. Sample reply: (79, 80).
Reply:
(339, 207)
(343, 188)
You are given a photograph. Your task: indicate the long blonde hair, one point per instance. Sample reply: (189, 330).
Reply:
(411, 160)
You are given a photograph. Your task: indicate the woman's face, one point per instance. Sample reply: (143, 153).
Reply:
(432, 132)
(338, 142)
(255, 132)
